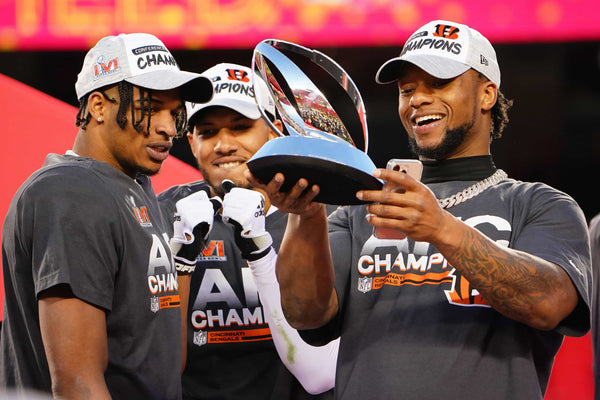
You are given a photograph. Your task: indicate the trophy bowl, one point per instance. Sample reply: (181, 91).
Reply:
(315, 144)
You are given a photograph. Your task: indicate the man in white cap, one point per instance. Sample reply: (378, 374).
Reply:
(233, 335)
(92, 301)
(475, 301)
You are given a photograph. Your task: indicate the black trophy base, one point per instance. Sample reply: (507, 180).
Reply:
(338, 183)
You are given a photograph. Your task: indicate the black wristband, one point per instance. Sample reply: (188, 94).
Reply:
(257, 256)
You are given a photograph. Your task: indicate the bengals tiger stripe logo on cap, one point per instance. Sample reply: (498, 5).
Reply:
(238, 75)
(446, 31)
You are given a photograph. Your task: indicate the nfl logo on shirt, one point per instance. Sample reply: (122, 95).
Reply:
(200, 338)
(154, 306)
(365, 284)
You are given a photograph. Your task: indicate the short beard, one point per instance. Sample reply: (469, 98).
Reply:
(131, 167)
(451, 141)
(149, 172)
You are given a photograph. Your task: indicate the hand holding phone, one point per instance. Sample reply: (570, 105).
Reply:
(412, 167)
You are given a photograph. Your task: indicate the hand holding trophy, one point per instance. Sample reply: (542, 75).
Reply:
(317, 145)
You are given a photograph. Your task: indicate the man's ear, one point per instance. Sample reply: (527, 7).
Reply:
(489, 95)
(279, 125)
(190, 138)
(96, 103)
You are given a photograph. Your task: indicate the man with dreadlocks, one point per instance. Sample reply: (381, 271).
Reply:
(92, 300)
(474, 301)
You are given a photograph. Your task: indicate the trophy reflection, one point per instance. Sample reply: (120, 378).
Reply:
(316, 144)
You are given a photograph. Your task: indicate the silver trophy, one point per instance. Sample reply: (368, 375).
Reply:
(316, 144)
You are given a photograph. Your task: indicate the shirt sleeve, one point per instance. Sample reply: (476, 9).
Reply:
(75, 235)
(556, 230)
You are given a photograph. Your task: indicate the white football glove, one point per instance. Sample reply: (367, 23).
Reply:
(192, 222)
(244, 209)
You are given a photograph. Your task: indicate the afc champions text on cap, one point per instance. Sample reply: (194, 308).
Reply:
(445, 50)
(235, 88)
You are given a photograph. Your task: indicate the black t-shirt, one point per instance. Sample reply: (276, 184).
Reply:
(230, 352)
(413, 328)
(81, 222)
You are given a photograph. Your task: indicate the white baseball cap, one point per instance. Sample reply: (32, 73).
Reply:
(234, 89)
(142, 60)
(445, 50)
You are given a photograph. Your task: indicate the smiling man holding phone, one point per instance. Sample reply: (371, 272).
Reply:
(475, 301)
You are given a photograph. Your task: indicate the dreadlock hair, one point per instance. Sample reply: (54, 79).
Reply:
(126, 101)
(82, 120)
(500, 115)
(499, 112)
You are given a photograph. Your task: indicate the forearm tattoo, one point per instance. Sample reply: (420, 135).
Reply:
(512, 282)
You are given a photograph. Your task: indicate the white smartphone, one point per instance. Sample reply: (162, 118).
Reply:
(412, 167)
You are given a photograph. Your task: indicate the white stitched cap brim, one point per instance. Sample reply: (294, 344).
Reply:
(440, 67)
(194, 87)
(246, 108)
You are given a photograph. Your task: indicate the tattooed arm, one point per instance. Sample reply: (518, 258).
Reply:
(521, 286)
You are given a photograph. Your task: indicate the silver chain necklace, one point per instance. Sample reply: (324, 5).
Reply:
(473, 190)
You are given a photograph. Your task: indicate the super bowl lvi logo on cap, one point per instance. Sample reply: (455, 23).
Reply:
(445, 50)
(103, 69)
